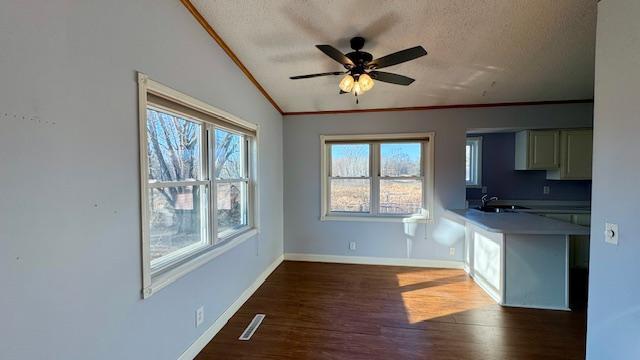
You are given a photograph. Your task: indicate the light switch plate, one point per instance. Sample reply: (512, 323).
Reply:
(611, 233)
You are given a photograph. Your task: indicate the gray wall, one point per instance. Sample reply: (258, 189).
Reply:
(305, 233)
(614, 290)
(501, 180)
(70, 262)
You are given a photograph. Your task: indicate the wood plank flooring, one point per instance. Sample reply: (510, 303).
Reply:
(339, 311)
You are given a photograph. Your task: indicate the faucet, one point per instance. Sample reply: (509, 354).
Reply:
(486, 199)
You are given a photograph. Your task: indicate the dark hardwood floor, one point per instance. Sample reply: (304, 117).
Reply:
(336, 311)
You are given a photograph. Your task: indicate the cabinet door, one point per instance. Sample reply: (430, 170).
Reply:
(544, 149)
(577, 149)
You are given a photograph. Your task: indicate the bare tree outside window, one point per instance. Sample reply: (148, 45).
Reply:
(174, 155)
(231, 181)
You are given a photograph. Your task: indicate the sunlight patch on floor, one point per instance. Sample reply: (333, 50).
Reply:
(432, 297)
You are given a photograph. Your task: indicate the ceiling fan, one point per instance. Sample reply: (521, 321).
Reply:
(362, 69)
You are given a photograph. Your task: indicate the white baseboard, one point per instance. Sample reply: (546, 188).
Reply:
(484, 285)
(447, 264)
(204, 339)
(556, 308)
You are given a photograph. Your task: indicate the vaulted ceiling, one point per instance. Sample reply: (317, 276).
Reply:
(480, 51)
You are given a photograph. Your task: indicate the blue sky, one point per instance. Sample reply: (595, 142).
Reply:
(411, 149)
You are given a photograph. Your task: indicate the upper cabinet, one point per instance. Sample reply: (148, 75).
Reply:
(537, 150)
(576, 154)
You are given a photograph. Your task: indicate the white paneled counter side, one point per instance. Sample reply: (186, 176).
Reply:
(519, 259)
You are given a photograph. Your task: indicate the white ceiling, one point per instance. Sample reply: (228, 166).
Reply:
(480, 51)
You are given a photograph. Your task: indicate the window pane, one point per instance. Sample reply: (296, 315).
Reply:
(400, 196)
(177, 219)
(231, 201)
(173, 145)
(350, 195)
(401, 159)
(350, 160)
(230, 154)
(468, 163)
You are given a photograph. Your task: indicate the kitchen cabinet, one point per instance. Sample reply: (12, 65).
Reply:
(537, 150)
(576, 154)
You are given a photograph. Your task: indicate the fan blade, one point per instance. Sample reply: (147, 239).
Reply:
(335, 54)
(316, 75)
(391, 78)
(398, 57)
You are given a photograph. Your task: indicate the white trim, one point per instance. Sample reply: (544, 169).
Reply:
(143, 81)
(194, 349)
(372, 218)
(490, 290)
(541, 307)
(378, 137)
(166, 92)
(476, 162)
(446, 264)
(171, 275)
(155, 278)
(427, 158)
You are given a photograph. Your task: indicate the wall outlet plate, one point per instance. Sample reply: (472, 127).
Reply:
(546, 190)
(452, 251)
(484, 190)
(611, 233)
(352, 245)
(199, 316)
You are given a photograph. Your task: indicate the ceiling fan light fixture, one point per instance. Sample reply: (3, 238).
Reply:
(347, 83)
(366, 82)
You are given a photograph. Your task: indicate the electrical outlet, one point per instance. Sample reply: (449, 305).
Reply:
(452, 251)
(546, 190)
(484, 190)
(352, 245)
(199, 316)
(611, 233)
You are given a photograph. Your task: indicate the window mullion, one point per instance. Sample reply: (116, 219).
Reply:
(213, 213)
(375, 178)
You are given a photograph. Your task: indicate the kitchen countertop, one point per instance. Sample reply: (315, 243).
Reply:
(559, 209)
(518, 223)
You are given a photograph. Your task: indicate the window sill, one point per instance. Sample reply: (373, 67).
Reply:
(167, 277)
(363, 218)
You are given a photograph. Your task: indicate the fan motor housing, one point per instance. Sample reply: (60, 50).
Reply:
(360, 58)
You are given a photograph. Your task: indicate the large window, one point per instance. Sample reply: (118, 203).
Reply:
(377, 177)
(198, 182)
(473, 163)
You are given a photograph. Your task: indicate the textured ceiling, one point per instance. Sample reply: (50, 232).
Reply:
(480, 51)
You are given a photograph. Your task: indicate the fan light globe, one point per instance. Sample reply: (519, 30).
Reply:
(347, 83)
(356, 88)
(366, 82)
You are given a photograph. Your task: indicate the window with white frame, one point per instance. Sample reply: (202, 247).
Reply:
(198, 182)
(473, 163)
(377, 177)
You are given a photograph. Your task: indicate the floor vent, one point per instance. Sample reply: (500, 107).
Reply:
(253, 326)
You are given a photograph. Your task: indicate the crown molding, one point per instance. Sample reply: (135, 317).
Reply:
(440, 107)
(209, 29)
